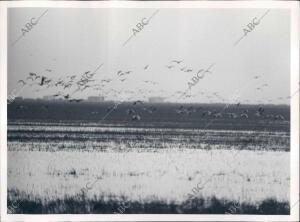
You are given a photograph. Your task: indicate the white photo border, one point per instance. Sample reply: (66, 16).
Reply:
(293, 6)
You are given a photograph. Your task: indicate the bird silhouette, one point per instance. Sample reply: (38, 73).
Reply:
(67, 96)
(75, 100)
(122, 74)
(57, 94)
(260, 111)
(232, 115)
(189, 70)
(217, 115)
(67, 85)
(22, 81)
(106, 80)
(60, 82)
(183, 68)
(244, 115)
(135, 117)
(177, 61)
(29, 77)
(43, 80)
(88, 75)
(73, 77)
(208, 113)
(137, 102)
(279, 117)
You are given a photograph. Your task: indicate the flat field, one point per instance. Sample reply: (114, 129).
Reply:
(113, 166)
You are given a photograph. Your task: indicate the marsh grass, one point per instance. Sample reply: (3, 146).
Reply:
(55, 160)
(80, 204)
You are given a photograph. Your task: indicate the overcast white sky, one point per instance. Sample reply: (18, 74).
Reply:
(72, 41)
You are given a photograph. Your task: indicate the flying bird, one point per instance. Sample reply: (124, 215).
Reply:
(279, 117)
(67, 96)
(86, 86)
(47, 81)
(43, 80)
(218, 115)
(169, 67)
(177, 61)
(136, 117)
(22, 81)
(137, 102)
(183, 68)
(260, 111)
(189, 70)
(72, 77)
(37, 77)
(29, 77)
(60, 82)
(75, 100)
(232, 115)
(67, 85)
(244, 115)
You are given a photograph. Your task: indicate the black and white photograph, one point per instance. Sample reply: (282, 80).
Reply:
(131, 111)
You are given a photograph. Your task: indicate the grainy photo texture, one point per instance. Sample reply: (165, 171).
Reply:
(148, 111)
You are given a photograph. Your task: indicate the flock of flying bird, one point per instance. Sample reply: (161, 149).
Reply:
(176, 64)
(217, 114)
(66, 88)
(201, 111)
